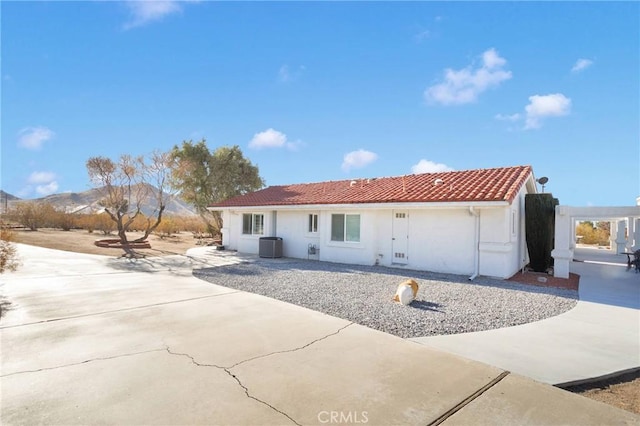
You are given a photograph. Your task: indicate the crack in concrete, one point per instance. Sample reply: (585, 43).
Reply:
(246, 392)
(244, 388)
(82, 362)
(199, 364)
(294, 349)
(193, 360)
(132, 308)
(235, 377)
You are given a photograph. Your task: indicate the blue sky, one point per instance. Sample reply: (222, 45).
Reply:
(327, 90)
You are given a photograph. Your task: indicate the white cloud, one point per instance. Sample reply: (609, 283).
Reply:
(426, 166)
(491, 59)
(34, 137)
(581, 64)
(512, 117)
(358, 159)
(47, 189)
(45, 183)
(465, 85)
(271, 138)
(37, 178)
(144, 12)
(542, 106)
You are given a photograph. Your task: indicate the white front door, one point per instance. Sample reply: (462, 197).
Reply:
(400, 237)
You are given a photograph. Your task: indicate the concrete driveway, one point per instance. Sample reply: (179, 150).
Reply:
(98, 340)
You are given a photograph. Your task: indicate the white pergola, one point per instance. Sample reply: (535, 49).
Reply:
(622, 218)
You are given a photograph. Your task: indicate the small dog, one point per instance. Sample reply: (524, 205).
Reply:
(406, 292)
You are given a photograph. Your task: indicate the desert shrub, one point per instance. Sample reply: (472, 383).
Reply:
(63, 220)
(194, 224)
(96, 222)
(168, 226)
(85, 221)
(176, 223)
(139, 223)
(103, 223)
(591, 234)
(33, 215)
(9, 260)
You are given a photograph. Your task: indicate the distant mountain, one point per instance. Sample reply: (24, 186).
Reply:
(89, 202)
(7, 196)
(6, 200)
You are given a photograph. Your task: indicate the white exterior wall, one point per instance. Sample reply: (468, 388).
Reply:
(360, 253)
(232, 237)
(384, 232)
(230, 229)
(496, 249)
(444, 240)
(293, 228)
(440, 240)
(503, 248)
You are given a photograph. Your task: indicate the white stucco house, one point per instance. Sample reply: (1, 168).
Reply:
(463, 222)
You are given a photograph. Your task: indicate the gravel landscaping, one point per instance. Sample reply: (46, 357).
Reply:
(446, 304)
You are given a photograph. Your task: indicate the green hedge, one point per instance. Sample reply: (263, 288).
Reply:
(540, 229)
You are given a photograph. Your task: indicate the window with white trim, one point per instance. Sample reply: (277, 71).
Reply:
(345, 227)
(313, 223)
(252, 224)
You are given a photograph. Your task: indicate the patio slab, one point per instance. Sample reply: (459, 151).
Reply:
(597, 338)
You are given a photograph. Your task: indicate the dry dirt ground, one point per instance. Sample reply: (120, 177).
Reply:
(622, 392)
(81, 241)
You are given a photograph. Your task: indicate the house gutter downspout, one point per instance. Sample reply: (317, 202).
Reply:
(476, 243)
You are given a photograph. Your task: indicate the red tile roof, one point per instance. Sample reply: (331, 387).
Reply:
(497, 184)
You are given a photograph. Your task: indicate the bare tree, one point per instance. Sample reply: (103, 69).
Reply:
(127, 186)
